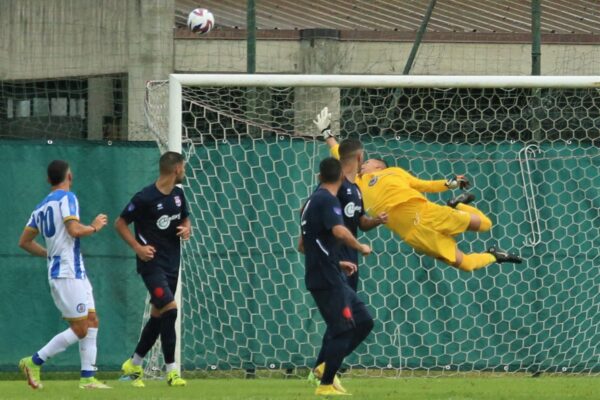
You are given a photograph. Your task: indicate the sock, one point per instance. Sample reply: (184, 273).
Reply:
(324, 345)
(471, 262)
(167, 335)
(136, 359)
(486, 222)
(171, 367)
(336, 352)
(36, 359)
(360, 334)
(58, 344)
(87, 353)
(147, 338)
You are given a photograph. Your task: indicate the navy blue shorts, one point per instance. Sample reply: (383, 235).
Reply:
(341, 308)
(161, 286)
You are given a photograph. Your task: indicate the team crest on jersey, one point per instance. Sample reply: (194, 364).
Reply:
(373, 180)
(80, 308)
(177, 201)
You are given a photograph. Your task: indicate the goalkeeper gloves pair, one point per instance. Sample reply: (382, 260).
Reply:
(323, 123)
(458, 181)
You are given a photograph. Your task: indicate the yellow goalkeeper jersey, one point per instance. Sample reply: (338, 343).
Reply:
(385, 189)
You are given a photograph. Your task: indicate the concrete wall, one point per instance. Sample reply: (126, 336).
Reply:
(388, 58)
(48, 39)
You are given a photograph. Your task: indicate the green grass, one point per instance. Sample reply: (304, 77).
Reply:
(508, 388)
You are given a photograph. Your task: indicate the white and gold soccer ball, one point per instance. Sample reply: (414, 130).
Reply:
(201, 20)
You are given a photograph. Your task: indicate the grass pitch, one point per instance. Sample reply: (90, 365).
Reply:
(508, 388)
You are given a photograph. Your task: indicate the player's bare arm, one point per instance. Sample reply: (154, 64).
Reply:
(27, 242)
(367, 223)
(145, 253)
(76, 229)
(344, 234)
(184, 230)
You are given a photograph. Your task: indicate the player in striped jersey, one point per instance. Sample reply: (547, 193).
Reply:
(56, 219)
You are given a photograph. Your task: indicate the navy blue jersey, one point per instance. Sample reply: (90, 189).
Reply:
(155, 217)
(321, 249)
(352, 205)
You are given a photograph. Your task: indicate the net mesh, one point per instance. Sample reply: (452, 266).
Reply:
(533, 158)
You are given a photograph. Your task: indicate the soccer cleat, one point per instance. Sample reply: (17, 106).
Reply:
(318, 375)
(504, 256)
(464, 198)
(138, 383)
(312, 379)
(32, 372)
(92, 383)
(173, 379)
(329, 390)
(134, 372)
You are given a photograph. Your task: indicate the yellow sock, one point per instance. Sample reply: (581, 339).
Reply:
(486, 223)
(471, 262)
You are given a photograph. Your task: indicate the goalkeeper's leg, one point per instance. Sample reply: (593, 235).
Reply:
(479, 221)
(473, 261)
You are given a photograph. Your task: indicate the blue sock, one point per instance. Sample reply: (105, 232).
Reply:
(87, 374)
(36, 359)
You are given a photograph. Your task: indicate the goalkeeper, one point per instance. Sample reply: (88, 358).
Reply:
(427, 227)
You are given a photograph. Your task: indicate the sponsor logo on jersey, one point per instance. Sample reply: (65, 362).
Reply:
(177, 201)
(131, 207)
(348, 191)
(165, 221)
(350, 209)
(159, 206)
(337, 210)
(373, 180)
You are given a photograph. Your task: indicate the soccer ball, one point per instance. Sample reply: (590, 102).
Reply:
(201, 20)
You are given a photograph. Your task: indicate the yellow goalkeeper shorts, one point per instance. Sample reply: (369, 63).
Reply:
(428, 227)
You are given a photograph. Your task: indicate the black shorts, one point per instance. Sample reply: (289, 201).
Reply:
(341, 308)
(161, 286)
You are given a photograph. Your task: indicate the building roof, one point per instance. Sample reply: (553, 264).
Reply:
(580, 17)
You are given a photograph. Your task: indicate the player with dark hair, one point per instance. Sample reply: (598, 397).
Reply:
(355, 217)
(56, 218)
(160, 216)
(427, 227)
(346, 316)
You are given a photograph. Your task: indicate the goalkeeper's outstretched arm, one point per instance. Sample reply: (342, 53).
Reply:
(436, 186)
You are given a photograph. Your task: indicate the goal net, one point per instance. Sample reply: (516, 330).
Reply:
(531, 149)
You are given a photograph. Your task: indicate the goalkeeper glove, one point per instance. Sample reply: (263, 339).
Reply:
(458, 181)
(323, 123)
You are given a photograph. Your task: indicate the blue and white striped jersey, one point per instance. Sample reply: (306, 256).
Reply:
(49, 218)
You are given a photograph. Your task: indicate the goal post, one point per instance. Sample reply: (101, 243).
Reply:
(530, 145)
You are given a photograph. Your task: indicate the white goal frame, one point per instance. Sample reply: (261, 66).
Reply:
(177, 81)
